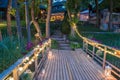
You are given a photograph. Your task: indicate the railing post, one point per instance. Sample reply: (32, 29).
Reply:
(83, 45)
(15, 74)
(104, 58)
(93, 51)
(86, 46)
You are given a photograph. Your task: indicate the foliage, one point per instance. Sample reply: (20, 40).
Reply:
(75, 45)
(26, 75)
(9, 52)
(12, 12)
(106, 4)
(54, 44)
(65, 25)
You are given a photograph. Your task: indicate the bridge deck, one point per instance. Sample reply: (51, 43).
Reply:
(71, 65)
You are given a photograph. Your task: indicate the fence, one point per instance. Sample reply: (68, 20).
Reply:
(18, 68)
(104, 55)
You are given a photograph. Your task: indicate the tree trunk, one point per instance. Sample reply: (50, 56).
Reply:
(19, 31)
(27, 21)
(72, 29)
(110, 17)
(34, 21)
(48, 19)
(9, 18)
(97, 14)
(0, 36)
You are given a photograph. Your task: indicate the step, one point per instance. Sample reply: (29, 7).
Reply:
(62, 45)
(58, 39)
(65, 48)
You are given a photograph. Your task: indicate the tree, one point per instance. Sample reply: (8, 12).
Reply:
(110, 17)
(19, 31)
(27, 21)
(9, 18)
(39, 34)
(97, 14)
(73, 8)
(48, 19)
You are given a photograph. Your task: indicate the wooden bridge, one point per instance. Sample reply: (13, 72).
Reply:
(70, 65)
(81, 64)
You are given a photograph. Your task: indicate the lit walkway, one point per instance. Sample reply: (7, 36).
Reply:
(71, 65)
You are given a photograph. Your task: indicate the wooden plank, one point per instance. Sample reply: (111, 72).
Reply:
(71, 65)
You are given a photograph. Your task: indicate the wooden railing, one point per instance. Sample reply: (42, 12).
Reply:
(100, 53)
(15, 71)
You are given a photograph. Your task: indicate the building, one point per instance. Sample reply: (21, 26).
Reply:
(3, 8)
(54, 1)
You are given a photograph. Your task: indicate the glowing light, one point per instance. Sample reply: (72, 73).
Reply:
(115, 52)
(108, 71)
(88, 56)
(10, 78)
(50, 55)
(20, 68)
(43, 71)
(38, 46)
(27, 58)
(17, 47)
(30, 62)
(36, 55)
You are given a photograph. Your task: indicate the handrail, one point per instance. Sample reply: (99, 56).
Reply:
(25, 62)
(104, 48)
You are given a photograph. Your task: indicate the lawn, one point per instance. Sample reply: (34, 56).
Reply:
(109, 39)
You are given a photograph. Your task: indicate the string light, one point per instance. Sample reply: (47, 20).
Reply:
(10, 78)
(27, 58)
(38, 46)
(20, 68)
(30, 62)
(50, 55)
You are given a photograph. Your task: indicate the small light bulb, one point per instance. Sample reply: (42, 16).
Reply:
(27, 58)
(20, 68)
(43, 71)
(38, 46)
(11, 78)
(30, 62)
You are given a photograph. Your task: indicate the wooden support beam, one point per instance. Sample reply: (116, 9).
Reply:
(104, 58)
(15, 74)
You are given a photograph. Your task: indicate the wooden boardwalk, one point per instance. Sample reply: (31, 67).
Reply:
(70, 65)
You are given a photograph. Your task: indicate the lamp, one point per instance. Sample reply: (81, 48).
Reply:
(108, 70)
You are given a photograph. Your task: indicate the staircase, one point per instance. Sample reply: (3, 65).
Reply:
(63, 43)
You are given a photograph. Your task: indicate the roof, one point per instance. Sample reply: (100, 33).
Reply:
(3, 3)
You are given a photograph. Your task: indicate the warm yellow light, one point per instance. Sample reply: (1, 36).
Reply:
(30, 62)
(108, 71)
(20, 68)
(10, 78)
(36, 55)
(50, 55)
(27, 58)
(38, 46)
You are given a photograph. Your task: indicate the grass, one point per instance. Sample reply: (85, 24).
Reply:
(9, 52)
(112, 40)
(86, 27)
(54, 44)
